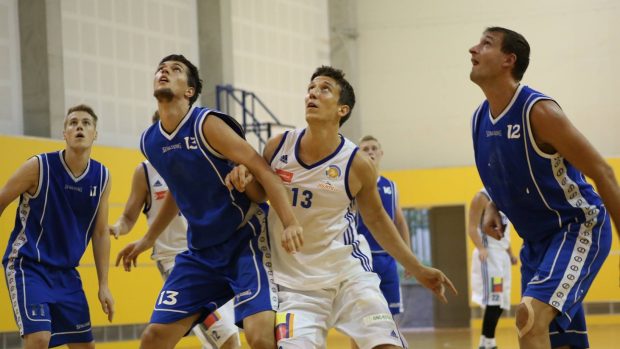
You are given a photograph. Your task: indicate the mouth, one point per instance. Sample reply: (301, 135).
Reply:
(79, 135)
(163, 79)
(311, 105)
(474, 62)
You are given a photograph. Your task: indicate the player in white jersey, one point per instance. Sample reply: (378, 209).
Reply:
(148, 191)
(490, 270)
(329, 282)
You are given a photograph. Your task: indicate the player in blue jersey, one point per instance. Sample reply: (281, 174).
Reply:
(532, 162)
(63, 205)
(193, 149)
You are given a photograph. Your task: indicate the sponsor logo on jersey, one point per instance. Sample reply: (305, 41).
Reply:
(285, 176)
(387, 190)
(494, 133)
(159, 195)
(171, 147)
(327, 186)
(370, 319)
(72, 187)
(80, 326)
(284, 159)
(333, 172)
(158, 183)
(243, 294)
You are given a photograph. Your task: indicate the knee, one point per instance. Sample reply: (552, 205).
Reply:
(529, 323)
(231, 343)
(37, 340)
(151, 335)
(261, 341)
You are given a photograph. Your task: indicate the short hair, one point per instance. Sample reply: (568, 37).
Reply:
(514, 43)
(81, 107)
(193, 78)
(347, 95)
(155, 116)
(367, 138)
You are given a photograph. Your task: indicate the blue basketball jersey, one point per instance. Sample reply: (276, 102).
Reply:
(540, 193)
(388, 194)
(195, 175)
(53, 226)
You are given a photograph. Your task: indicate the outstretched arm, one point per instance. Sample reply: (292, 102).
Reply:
(228, 143)
(362, 180)
(101, 252)
(24, 180)
(137, 198)
(554, 132)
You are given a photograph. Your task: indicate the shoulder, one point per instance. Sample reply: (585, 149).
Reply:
(363, 173)
(273, 145)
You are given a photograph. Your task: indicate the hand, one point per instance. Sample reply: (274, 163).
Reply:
(292, 238)
(483, 253)
(492, 222)
(129, 254)
(107, 302)
(434, 280)
(114, 230)
(514, 260)
(238, 178)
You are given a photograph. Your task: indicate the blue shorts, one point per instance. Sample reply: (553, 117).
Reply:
(559, 271)
(385, 266)
(48, 299)
(202, 281)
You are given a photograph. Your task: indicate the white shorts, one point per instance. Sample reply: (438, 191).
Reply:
(355, 307)
(490, 281)
(218, 326)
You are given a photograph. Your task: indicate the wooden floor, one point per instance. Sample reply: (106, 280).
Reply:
(604, 333)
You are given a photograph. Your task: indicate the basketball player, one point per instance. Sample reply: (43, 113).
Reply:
(193, 148)
(490, 270)
(148, 190)
(329, 283)
(532, 162)
(63, 204)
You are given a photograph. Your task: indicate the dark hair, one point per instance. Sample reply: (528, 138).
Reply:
(514, 43)
(347, 95)
(193, 78)
(155, 116)
(81, 107)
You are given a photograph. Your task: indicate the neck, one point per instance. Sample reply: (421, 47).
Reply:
(77, 159)
(171, 113)
(499, 94)
(318, 142)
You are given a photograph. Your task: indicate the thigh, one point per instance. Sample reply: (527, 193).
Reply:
(385, 267)
(361, 312)
(252, 278)
(29, 289)
(70, 312)
(302, 318)
(193, 287)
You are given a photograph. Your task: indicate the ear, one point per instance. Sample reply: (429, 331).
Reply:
(96, 134)
(510, 60)
(189, 92)
(343, 110)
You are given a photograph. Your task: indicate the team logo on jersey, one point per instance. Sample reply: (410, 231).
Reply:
(157, 183)
(497, 284)
(387, 190)
(284, 159)
(333, 172)
(285, 176)
(284, 325)
(160, 194)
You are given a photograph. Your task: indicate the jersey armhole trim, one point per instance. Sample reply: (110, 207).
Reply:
(149, 197)
(346, 173)
(42, 171)
(530, 134)
(278, 148)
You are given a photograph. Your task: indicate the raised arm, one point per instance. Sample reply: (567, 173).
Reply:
(476, 210)
(554, 132)
(138, 197)
(362, 181)
(101, 252)
(24, 180)
(228, 143)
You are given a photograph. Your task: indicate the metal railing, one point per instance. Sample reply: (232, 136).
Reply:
(227, 97)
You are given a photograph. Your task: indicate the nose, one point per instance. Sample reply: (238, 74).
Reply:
(473, 49)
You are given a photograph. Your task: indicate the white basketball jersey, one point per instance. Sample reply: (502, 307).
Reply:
(173, 240)
(333, 250)
(492, 243)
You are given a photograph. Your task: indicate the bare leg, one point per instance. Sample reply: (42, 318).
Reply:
(37, 340)
(166, 336)
(533, 319)
(260, 330)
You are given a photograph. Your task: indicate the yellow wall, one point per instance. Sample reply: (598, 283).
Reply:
(435, 187)
(135, 292)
